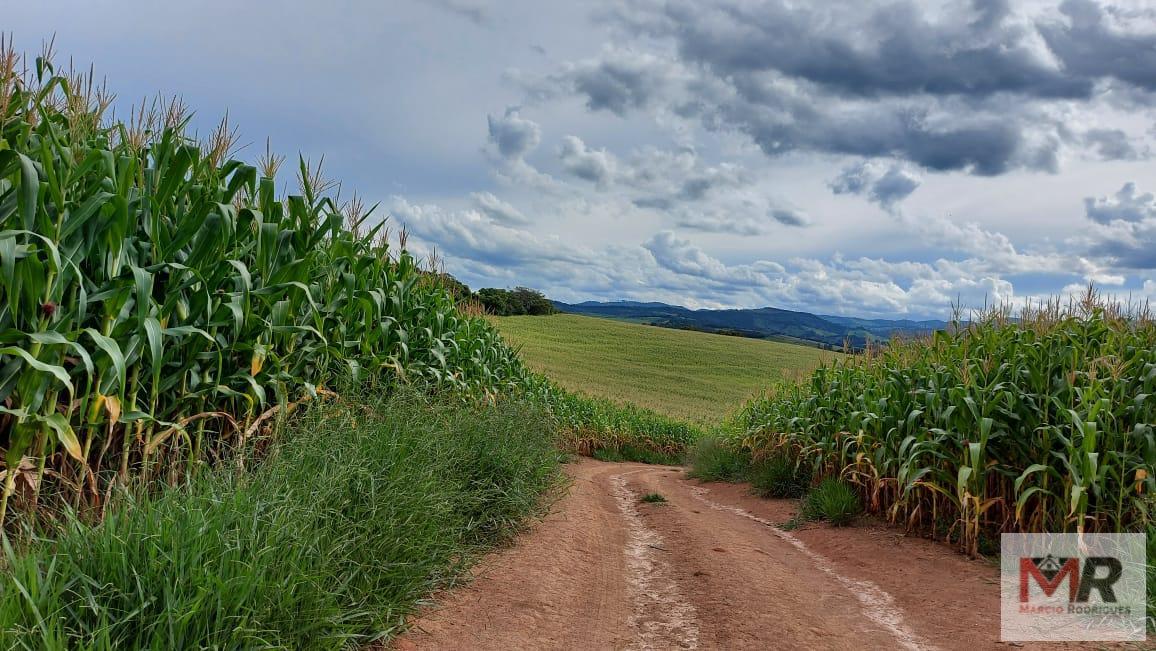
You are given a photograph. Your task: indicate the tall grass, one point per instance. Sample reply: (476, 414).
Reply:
(161, 304)
(363, 509)
(832, 500)
(1043, 422)
(717, 458)
(778, 476)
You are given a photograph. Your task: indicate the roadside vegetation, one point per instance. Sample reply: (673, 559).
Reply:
(715, 458)
(778, 476)
(832, 500)
(367, 505)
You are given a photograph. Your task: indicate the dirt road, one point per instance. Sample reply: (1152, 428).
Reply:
(707, 569)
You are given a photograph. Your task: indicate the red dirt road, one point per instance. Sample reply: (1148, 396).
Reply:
(707, 569)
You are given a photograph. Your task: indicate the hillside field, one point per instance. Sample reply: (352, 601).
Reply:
(683, 374)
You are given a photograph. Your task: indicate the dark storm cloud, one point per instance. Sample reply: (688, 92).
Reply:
(618, 84)
(988, 147)
(966, 88)
(617, 81)
(513, 135)
(1129, 254)
(788, 217)
(860, 49)
(1111, 144)
(894, 185)
(896, 48)
(700, 184)
(679, 187)
(782, 116)
(1091, 46)
(885, 186)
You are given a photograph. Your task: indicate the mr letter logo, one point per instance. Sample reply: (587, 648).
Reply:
(1049, 572)
(1061, 587)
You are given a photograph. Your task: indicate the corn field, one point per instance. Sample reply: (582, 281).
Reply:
(160, 303)
(589, 424)
(1042, 422)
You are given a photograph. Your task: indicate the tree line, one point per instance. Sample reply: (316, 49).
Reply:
(501, 302)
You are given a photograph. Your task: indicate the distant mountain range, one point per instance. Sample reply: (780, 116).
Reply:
(761, 323)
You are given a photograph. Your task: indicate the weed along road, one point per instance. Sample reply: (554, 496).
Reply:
(706, 566)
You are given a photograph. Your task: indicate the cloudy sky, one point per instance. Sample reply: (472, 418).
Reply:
(860, 158)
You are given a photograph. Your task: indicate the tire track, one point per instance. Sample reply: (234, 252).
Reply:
(661, 617)
(877, 605)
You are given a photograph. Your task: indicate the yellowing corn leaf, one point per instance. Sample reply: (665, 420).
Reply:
(59, 424)
(111, 404)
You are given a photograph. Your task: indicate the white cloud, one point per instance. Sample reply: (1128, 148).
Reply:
(1126, 205)
(669, 267)
(594, 165)
(744, 94)
(499, 210)
(679, 163)
(1123, 228)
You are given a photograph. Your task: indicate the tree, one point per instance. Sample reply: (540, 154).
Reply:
(520, 300)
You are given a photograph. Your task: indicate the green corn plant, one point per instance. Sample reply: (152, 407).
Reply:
(161, 305)
(1042, 422)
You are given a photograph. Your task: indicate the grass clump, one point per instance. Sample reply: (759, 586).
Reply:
(362, 510)
(714, 459)
(832, 500)
(778, 476)
(653, 498)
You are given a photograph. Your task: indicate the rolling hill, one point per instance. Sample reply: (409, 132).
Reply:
(693, 375)
(832, 332)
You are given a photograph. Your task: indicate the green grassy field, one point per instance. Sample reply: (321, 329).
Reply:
(693, 375)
